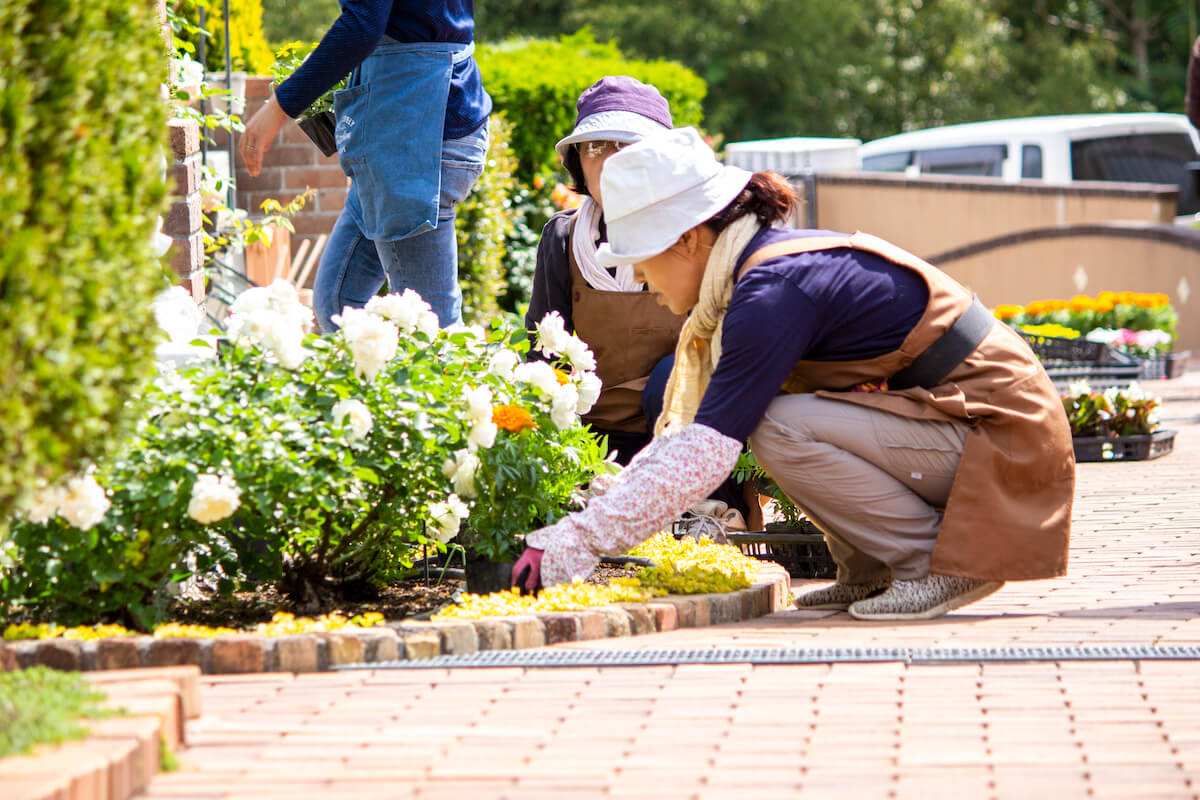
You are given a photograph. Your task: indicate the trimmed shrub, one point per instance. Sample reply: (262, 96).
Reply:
(485, 223)
(536, 82)
(248, 48)
(82, 126)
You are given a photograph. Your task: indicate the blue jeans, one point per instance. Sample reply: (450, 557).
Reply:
(353, 268)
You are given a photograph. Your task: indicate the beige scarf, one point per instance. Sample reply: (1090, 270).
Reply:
(699, 346)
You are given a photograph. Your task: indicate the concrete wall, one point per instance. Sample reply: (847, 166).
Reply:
(928, 215)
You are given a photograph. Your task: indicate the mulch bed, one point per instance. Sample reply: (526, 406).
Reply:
(404, 600)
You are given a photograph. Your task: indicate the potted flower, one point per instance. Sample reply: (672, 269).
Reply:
(527, 457)
(1116, 424)
(317, 121)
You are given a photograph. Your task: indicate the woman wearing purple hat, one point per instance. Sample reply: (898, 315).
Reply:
(632, 336)
(925, 440)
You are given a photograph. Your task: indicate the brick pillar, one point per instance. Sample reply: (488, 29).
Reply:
(183, 223)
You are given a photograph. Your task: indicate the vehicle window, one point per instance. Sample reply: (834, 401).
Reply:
(984, 160)
(1142, 158)
(888, 162)
(1031, 161)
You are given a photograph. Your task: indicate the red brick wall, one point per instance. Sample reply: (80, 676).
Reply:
(291, 165)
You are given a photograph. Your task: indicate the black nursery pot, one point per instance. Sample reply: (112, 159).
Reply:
(484, 577)
(319, 128)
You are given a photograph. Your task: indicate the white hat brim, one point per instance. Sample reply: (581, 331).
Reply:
(653, 229)
(609, 126)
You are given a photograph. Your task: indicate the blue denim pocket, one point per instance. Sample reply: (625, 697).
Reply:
(389, 134)
(463, 161)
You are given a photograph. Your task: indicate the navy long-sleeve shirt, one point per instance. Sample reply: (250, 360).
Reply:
(359, 29)
(827, 305)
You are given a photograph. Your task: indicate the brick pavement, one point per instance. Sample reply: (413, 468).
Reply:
(1120, 729)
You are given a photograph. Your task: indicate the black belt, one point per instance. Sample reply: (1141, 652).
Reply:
(929, 368)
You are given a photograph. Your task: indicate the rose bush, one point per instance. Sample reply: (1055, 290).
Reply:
(317, 464)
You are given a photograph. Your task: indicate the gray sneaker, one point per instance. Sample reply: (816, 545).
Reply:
(838, 596)
(924, 598)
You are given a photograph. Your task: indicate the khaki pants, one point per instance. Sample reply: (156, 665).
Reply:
(872, 481)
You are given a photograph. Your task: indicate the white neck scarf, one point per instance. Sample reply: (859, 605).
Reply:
(583, 247)
(699, 346)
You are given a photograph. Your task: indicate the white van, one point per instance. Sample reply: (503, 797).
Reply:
(1138, 148)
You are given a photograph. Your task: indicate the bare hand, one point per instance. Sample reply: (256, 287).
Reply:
(260, 131)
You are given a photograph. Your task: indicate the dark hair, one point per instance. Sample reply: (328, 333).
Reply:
(574, 168)
(768, 196)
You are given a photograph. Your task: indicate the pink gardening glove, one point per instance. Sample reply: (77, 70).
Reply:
(527, 572)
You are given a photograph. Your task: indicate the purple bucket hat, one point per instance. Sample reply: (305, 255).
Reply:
(617, 108)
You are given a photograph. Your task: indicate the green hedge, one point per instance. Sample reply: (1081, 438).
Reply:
(484, 225)
(536, 83)
(82, 130)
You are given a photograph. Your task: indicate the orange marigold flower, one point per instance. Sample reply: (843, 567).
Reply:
(1050, 306)
(1126, 298)
(1006, 311)
(1035, 308)
(563, 378)
(1107, 297)
(1160, 299)
(1081, 302)
(539, 182)
(512, 418)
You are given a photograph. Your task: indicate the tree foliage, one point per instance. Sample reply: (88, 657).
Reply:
(869, 68)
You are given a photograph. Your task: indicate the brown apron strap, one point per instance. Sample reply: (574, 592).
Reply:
(792, 247)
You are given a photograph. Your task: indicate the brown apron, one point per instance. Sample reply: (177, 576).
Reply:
(1008, 516)
(629, 332)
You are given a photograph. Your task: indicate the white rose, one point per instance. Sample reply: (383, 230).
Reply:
(552, 334)
(360, 420)
(372, 340)
(44, 505)
(579, 354)
(483, 434)
(83, 503)
(214, 498)
(502, 362)
(466, 465)
(447, 517)
(404, 309)
(562, 406)
(590, 387)
(537, 374)
(479, 405)
(428, 324)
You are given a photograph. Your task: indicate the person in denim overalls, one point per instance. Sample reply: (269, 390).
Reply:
(411, 134)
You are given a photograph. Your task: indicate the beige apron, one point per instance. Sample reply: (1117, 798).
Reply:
(629, 332)
(1008, 516)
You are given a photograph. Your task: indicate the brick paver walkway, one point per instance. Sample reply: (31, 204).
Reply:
(1120, 729)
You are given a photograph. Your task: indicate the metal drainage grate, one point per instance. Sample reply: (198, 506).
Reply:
(786, 655)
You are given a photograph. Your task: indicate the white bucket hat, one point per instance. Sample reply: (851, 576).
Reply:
(660, 188)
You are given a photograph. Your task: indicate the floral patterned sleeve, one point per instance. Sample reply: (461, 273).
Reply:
(652, 491)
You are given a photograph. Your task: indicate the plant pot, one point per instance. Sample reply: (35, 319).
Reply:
(1124, 448)
(799, 549)
(320, 128)
(485, 577)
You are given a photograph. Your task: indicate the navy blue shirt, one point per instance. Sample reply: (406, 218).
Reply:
(827, 305)
(360, 28)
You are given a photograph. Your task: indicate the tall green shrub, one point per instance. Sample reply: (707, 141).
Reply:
(537, 81)
(82, 128)
(485, 222)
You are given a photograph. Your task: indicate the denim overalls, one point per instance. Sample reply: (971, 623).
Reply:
(398, 220)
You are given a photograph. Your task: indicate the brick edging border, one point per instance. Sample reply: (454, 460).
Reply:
(405, 640)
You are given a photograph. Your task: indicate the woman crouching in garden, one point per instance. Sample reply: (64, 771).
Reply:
(923, 438)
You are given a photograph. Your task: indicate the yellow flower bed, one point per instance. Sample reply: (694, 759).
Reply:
(563, 597)
(281, 624)
(1051, 329)
(683, 566)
